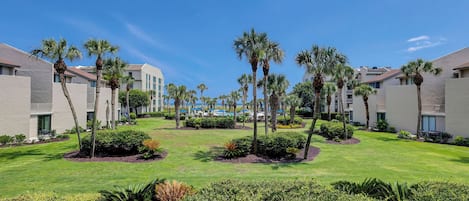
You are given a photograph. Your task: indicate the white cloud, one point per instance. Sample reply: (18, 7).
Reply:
(418, 38)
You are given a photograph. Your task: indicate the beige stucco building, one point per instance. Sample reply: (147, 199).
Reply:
(148, 78)
(35, 104)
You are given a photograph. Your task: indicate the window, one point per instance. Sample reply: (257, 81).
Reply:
(92, 83)
(159, 80)
(43, 124)
(375, 85)
(1, 70)
(89, 116)
(349, 97)
(154, 80)
(381, 116)
(428, 123)
(130, 74)
(56, 78)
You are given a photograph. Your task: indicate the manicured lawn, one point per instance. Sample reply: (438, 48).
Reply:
(41, 167)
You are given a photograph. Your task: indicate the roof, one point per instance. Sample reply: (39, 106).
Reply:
(462, 66)
(135, 66)
(67, 74)
(7, 63)
(385, 76)
(82, 73)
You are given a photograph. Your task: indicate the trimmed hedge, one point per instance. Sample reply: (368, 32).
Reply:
(113, 142)
(299, 190)
(333, 130)
(286, 121)
(325, 116)
(154, 114)
(53, 196)
(173, 116)
(211, 122)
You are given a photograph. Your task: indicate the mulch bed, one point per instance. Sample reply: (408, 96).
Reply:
(75, 156)
(251, 158)
(37, 142)
(349, 141)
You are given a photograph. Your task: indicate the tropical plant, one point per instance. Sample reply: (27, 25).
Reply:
(191, 99)
(365, 91)
(178, 94)
(342, 75)
(293, 101)
(135, 97)
(57, 51)
(234, 97)
(129, 82)
(277, 85)
(172, 191)
(202, 87)
(252, 46)
(329, 90)
(274, 53)
(138, 192)
(304, 92)
(414, 70)
(113, 73)
(244, 81)
(99, 48)
(319, 62)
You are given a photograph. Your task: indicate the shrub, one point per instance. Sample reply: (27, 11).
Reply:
(243, 145)
(231, 150)
(172, 191)
(173, 116)
(286, 121)
(325, 116)
(6, 139)
(332, 130)
(115, 142)
(382, 125)
(290, 126)
(297, 190)
(276, 145)
(304, 112)
(461, 141)
(149, 148)
(74, 131)
(375, 188)
(132, 115)
(138, 192)
(154, 114)
(403, 134)
(439, 191)
(392, 129)
(52, 196)
(291, 152)
(20, 138)
(89, 124)
(211, 122)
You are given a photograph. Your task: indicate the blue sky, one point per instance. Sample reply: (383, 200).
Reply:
(192, 41)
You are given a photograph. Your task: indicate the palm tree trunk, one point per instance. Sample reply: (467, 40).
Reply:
(266, 126)
(274, 107)
(315, 118)
(113, 106)
(341, 108)
(176, 105)
(365, 100)
(292, 114)
(419, 118)
(234, 114)
(72, 108)
(128, 105)
(95, 114)
(329, 101)
(244, 107)
(254, 97)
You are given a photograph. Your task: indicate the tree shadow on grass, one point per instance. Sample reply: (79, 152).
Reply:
(386, 139)
(34, 152)
(461, 160)
(276, 166)
(206, 156)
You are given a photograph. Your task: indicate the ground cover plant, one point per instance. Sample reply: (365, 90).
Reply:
(41, 168)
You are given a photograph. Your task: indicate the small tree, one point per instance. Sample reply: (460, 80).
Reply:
(365, 91)
(113, 73)
(178, 94)
(329, 90)
(293, 101)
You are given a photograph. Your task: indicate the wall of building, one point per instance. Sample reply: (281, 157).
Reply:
(359, 111)
(33, 121)
(401, 107)
(457, 106)
(62, 118)
(465, 73)
(15, 105)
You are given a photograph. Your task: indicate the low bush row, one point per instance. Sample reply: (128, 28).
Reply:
(154, 114)
(173, 116)
(335, 131)
(210, 122)
(286, 120)
(112, 143)
(461, 141)
(16, 139)
(277, 145)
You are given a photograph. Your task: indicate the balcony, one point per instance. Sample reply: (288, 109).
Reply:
(349, 92)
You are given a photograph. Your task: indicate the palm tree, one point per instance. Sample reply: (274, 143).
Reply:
(113, 73)
(191, 99)
(251, 45)
(329, 89)
(57, 51)
(317, 61)
(178, 93)
(202, 88)
(342, 75)
(234, 97)
(129, 81)
(274, 53)
(365, 91)
(414, 70)
(99, 48)
(244, 81)
(293, 101)
(277, 84)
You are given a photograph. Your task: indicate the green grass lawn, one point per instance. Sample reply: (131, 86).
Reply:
(41, 167)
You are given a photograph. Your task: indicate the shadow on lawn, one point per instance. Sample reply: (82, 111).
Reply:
(386, 139)
(276, 166)
(206, 156)
(461, 160)
(34, 152)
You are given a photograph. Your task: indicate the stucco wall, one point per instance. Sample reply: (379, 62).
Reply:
(401, 107)
(61, 114)
(15, 105)
(359, 112)
(457, 106)
(465, 73)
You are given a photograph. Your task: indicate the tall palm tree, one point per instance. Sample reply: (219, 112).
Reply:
(129, 81)
(277, 85)
(317, 61)
(293, 101)
(365, 91)
(252, 46)
(113, 73)
(234, 97)
(190, 99)
(342, 75)
(99, 48)
(329, 90)
(178, 94)
(57, 52)
(202, 87)
(244, 81)
(414, 70)
(274, 53)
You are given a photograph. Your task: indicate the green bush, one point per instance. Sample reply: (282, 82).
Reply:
(6, 139)
(52, 196)
(74, 131)
(19, 139)
(173, 116)
(403, 134)
(382, 125)
(286, 121)
(210, 122)
(154, 114)
(392, 129)
(439, 191)
(243, 145)
(140, 192)
(115, 142)
(298, 190)
(461, 141)
(332, 130)
(133, 116)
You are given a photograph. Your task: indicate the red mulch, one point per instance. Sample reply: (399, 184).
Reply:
(75, 156)
(251, 158)
(349, 141)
